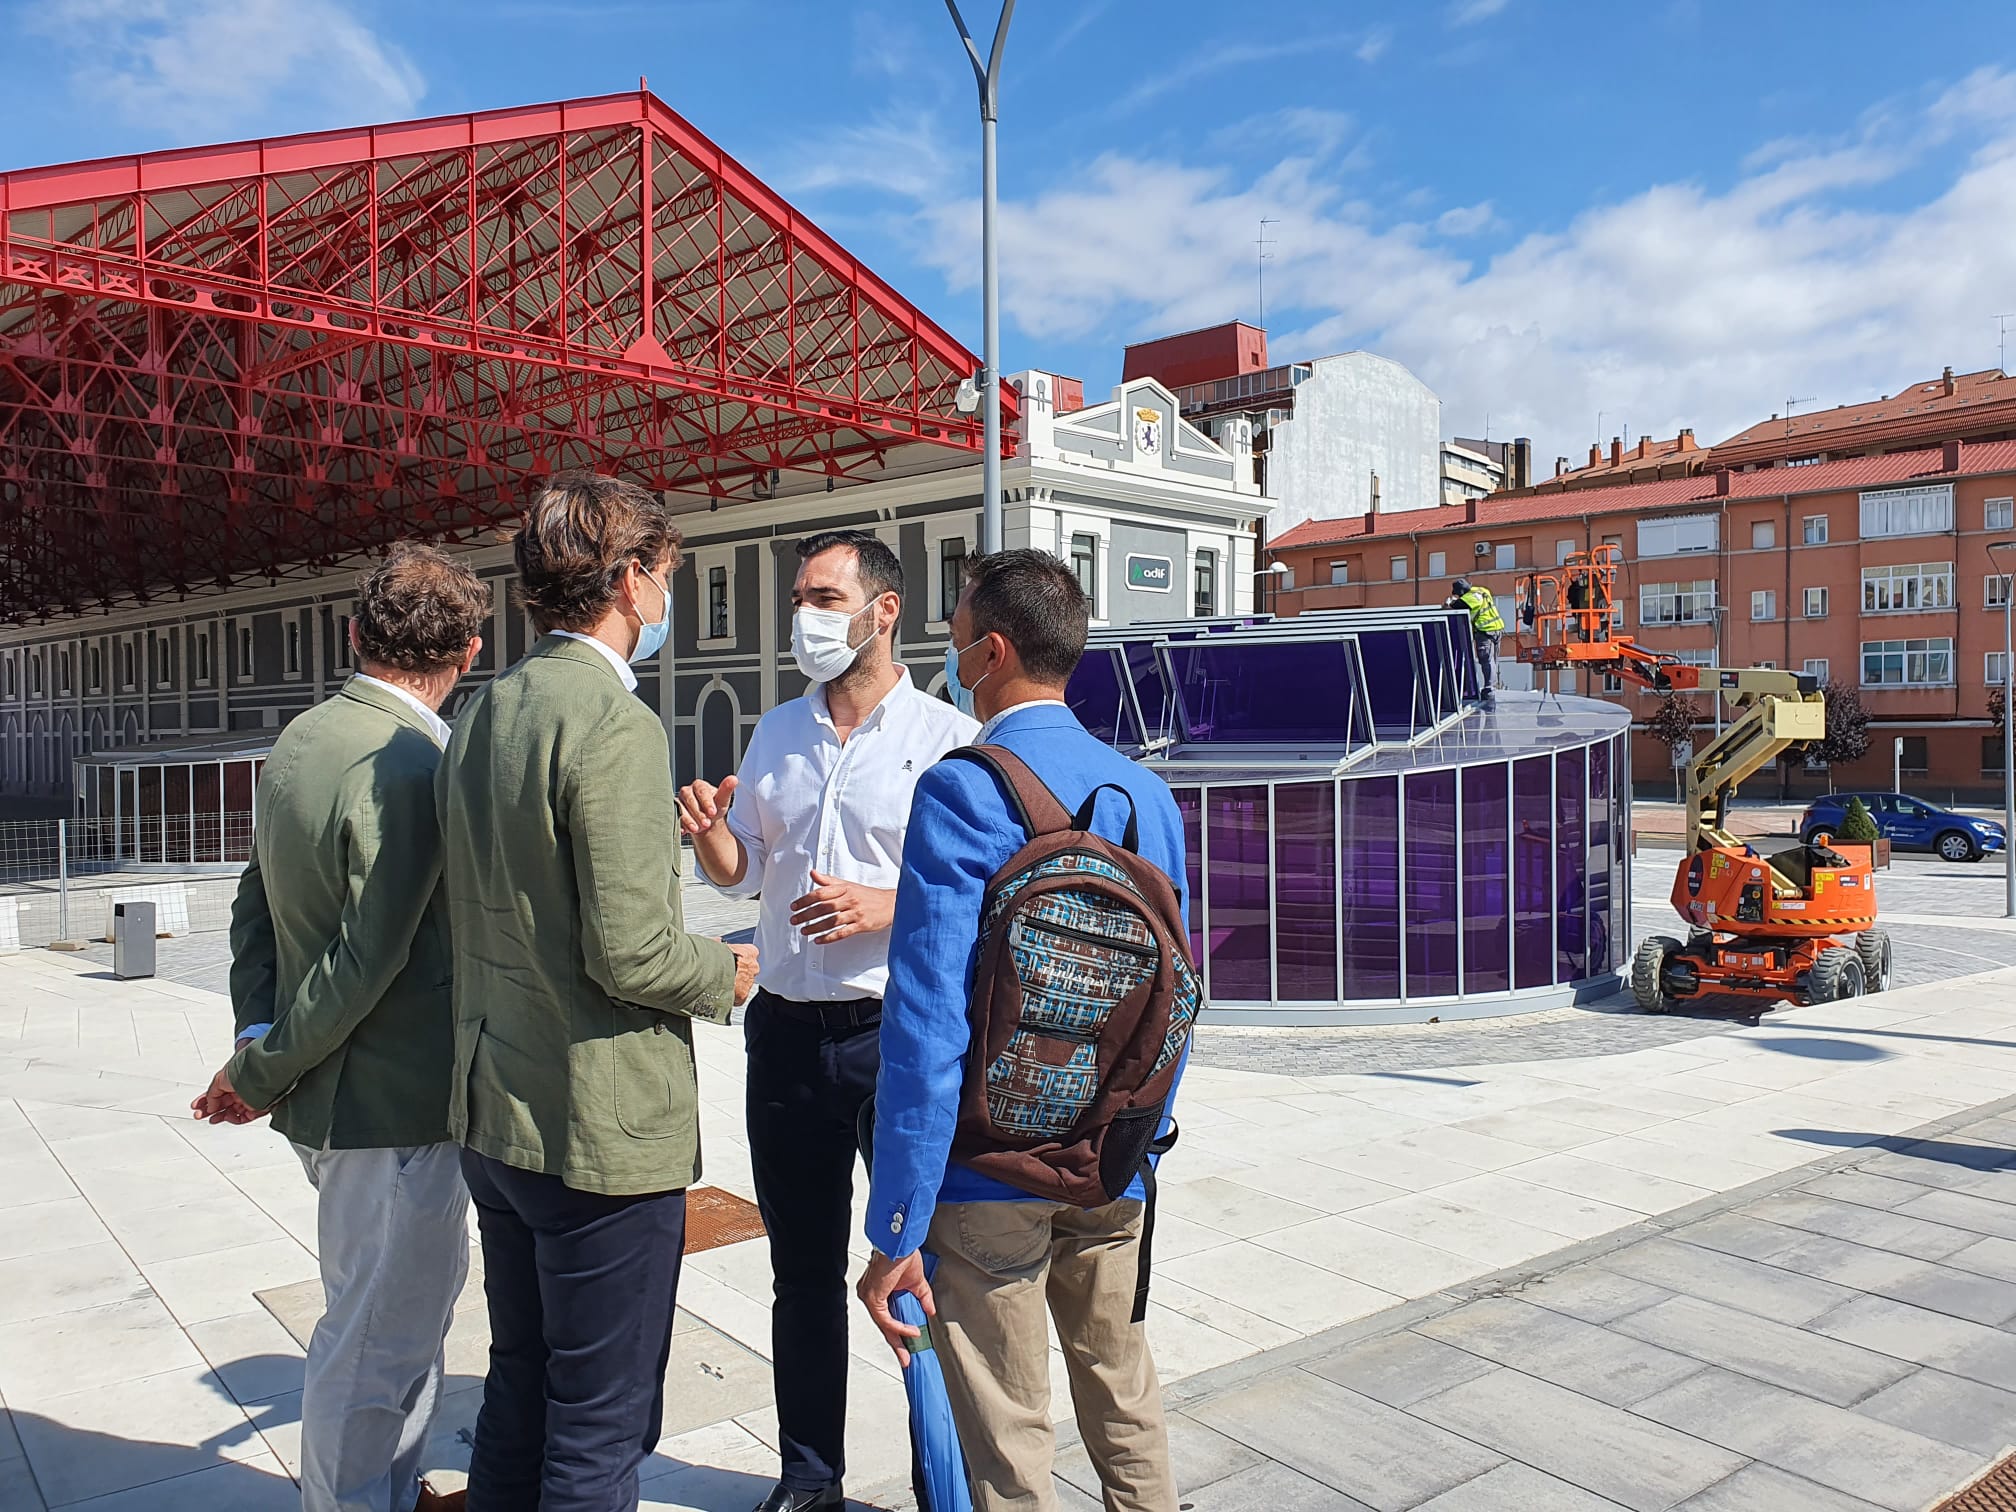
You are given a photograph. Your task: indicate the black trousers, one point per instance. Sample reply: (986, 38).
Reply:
(811, 1068)
(581, 1290)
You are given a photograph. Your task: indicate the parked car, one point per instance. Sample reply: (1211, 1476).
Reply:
(1909, 824)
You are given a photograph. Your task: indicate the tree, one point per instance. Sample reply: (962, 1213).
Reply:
(1672, 724)
(1858, 824)
(1995, 707)
(1847, 737)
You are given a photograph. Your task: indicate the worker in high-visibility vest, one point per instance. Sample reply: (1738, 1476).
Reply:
(1486, 625)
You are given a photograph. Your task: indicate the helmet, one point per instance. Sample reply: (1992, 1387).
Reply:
(1462, 586)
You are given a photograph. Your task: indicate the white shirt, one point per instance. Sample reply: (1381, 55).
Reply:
(435, 723)
(608, 652)
(987, 730)
(804, 802)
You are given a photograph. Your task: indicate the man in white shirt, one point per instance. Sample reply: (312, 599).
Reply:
(819, 811)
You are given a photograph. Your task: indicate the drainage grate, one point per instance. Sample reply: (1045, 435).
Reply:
(715, 1218)
(1993, 1492)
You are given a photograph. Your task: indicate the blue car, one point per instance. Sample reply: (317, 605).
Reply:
(1909, 824)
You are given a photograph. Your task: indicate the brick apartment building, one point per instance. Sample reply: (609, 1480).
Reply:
(1872, 570)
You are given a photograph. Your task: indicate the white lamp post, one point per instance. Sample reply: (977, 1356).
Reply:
(2008, 744)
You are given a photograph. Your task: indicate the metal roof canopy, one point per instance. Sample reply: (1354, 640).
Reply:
(256, 360)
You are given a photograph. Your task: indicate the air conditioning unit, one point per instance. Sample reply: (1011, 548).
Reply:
(1481, 550)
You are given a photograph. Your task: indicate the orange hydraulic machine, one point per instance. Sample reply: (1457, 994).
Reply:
(1777, 918)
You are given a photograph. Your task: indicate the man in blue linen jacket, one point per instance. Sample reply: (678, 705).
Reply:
(1001, 1254)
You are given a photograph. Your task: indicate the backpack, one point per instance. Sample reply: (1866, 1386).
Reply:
(1083, 1000)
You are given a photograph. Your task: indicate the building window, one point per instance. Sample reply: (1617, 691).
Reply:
(1998, 514)
(1764, 535)
(1912, 588)
(13, 679)
(1438, 564)
(1991, 756)
(1399, 565)
(1908, 663)
(1506, 557)
(1562, 551)
(1995, 590)
(128, 668)
(1085, 567)
(1612, 683)
(1914, 759)
(244, 653)
(97, 665)
(1815, 666)
(717, 603)
(951, 575)
(1676, 603)
(1908, 511)
(204, 670)
(66, 685)
(35, 674)
(1340, 573)
(1814, 528)
(1204, 585)
(1764, 604)
(1813, 603)
(293, 648)
(164, 662)
(1991, 670)
(1678, 536)
(342, 642)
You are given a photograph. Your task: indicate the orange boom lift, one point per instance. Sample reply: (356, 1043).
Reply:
(1770, 918)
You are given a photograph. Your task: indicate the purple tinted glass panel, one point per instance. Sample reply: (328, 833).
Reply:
(1399, 703)
(1532, 872)
(1151, 693)
(1620, 849)
(1237, 930)
(1431, 884)
(1293, 693)
(1571, 861)
(1369, 875)
(1602, 931)
(1095, 697)
(1189, 803)
(1487, 916)
(1305, 891)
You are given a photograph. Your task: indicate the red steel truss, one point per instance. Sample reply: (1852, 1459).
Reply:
(257, 360)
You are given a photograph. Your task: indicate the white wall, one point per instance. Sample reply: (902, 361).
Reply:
(1356, 414)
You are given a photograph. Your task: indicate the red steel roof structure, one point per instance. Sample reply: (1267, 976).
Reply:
(254, 360)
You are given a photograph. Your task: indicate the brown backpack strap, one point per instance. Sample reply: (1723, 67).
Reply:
(1035, 805)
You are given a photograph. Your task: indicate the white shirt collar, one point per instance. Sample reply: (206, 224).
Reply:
(987, 730)
(435, 722)
(816, 701)
(609, 653)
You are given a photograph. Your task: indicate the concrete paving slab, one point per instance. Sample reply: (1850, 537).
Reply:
(1949, 1408)
(1979, 1353)
(1730, 1280)
(1765, 1488)
(1400, 1369)
(1824, 1368)
(1610, 1366)
(1517, 1488)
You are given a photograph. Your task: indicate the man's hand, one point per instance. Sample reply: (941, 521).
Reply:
(702, 805)
(834, 910)
(222, 1104)
(882, 1280)
(745, 971)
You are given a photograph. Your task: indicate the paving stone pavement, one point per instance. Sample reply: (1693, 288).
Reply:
(1832, 1339)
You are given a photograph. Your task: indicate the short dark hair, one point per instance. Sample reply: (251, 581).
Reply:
(578, 534)
(1035, 603)
(880, 571)
(419, 609)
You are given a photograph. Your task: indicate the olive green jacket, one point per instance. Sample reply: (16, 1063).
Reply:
(575, 980)
(339, 938)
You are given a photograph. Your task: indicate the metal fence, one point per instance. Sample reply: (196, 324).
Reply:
(60, 877)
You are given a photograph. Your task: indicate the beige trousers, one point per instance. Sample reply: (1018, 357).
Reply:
(999, 1265)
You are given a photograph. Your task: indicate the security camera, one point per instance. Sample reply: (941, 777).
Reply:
(967, 399)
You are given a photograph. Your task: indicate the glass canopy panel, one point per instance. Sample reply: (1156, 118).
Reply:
(1431, 884)
(1487, 918)
(1532, 872)
(1400, 705)
(1189, 803)
(1151, 692)
(1368, 874)
(1601, 926)
(1294, 693)
(1305, 891)
(1101, 703)
(1571, 866)
(1239, 929)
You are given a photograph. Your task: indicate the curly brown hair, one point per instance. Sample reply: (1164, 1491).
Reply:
(579, 533)
(419, 609)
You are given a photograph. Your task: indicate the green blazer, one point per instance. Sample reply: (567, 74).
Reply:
(575, 980)
(339, 936)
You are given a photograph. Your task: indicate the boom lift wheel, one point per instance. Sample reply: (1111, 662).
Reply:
(1836, 976)
(1872, 946)
(1648, 974)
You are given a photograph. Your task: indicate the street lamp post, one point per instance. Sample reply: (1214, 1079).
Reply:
(1721, 612)
(988, 75)
(2008, 744)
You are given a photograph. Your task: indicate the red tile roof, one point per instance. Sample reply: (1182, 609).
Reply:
(1970, 392)
(1632, 498)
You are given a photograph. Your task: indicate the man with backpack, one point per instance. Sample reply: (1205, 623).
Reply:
(1041, 908)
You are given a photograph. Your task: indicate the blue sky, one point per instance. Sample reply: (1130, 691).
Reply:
(1676, 212)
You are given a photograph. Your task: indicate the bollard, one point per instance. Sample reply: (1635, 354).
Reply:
(64, 939)
(132, 940)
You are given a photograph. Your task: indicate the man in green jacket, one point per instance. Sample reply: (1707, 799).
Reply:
(1486, 625)
(339, 980)
(576, 988)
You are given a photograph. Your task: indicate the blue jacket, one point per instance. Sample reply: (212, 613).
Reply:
(961, 833)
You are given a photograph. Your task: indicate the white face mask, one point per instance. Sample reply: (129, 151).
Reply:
(820, 641)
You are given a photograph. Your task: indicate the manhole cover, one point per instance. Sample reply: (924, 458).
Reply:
(1993, 1492)
(715, 1218)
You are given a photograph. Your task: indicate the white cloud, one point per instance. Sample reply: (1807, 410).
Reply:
(1679, 305)
(1374, 44)
(1470, 12)
(1465, 220)
(195, 68)
(1218, 58)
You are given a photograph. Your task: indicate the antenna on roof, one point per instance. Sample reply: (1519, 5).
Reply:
(2002, 342)
(1265, 257)
(643, 86)
(1788, 412)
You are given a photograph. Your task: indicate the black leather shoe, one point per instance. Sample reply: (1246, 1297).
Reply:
(784, 1499)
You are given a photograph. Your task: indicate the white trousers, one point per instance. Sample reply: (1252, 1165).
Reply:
(392, 1227)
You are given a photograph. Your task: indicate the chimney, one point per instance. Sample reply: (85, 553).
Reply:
(1521, 469)
(1595, 454)
(1375, 494)
(1721, 482)
(1946, 381)
(1949, 456)
(1687, 439)
(1560, 466)
(1644, 447)
(1616, 451)
(1469, 511)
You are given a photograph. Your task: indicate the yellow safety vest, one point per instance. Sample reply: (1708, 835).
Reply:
(1484, 615)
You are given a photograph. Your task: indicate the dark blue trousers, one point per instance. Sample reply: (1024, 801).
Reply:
(808, 1079)
(581, 1289)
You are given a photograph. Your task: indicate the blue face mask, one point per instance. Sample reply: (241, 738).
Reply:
(961, 695)
(652, 639)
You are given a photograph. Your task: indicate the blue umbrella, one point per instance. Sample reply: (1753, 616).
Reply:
(934, 1440)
